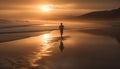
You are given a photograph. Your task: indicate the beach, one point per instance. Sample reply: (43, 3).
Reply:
(77, 49)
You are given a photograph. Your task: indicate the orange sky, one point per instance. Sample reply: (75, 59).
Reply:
(28, 9)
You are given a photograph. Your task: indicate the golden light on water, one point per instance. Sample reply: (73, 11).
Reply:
(45, 38)
(46, 45)
(43, 49)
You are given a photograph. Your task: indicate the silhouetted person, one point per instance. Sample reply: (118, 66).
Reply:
(61, 47)
(61, 28)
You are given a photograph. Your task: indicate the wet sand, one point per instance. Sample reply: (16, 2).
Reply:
(76, 50)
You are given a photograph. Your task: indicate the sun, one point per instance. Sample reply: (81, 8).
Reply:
(45, 8)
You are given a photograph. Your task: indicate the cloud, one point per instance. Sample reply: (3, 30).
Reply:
(26, 8)
(79, 3)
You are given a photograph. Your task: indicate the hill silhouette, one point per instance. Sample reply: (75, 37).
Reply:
(107, 14)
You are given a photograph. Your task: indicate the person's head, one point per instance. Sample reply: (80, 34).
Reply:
(61, 23)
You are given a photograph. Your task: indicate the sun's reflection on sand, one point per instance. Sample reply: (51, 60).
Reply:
(43, 50)
(33, 51)
(46, 45)
(45, 38)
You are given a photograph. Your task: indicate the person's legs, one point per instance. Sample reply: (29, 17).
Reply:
(61, 32)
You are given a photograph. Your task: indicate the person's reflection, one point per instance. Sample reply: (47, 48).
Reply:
(61, 47)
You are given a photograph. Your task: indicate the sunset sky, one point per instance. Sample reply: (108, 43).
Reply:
(31, 9)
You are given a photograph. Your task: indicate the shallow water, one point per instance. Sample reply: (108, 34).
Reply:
(76, 50)
(39, 46)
